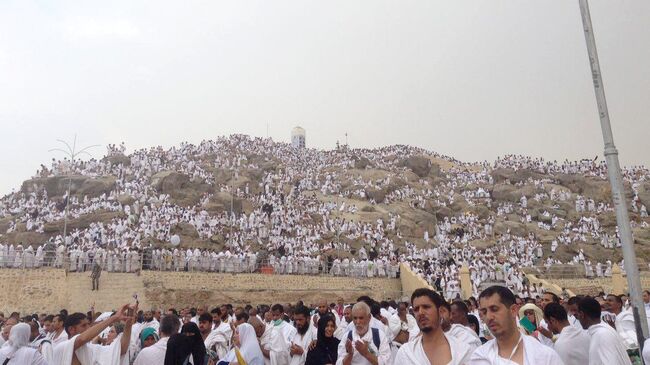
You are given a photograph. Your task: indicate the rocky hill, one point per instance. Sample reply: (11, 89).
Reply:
(420, 187)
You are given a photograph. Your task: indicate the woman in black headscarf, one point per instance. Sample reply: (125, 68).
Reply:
(181, 346)
(327, 345)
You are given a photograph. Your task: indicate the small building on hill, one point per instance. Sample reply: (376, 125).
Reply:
(298, 136)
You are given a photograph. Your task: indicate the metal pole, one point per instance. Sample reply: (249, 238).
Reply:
(615, 179)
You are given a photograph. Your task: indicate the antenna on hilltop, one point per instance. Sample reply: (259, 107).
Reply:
(72, 153)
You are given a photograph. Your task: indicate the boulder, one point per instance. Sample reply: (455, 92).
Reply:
(224, 201)
(442, 212)
(181, 189)
(57, 186)
(117, 159)
(377, 194)
(481, 211)
(644, 194)
(184, 230)
(167, 182)
(82, 222)
(501, 175)
(361, 163)
(515, 228)
(125, 199)
(591, 187)
(511, 193)
(420, 165)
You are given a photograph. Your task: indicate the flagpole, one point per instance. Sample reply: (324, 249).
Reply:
(616, 181)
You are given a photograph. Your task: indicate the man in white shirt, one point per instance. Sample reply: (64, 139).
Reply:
(322, 310)
(403, 325)
(459, 328)
(306, 333)
(277, 350)
(346, 319)
(546, 337)
(58, 333)
(605, 346)
(434, 345)
(155, 354)
(78, 350)
(624, 321)
(499, 311)
(572, 309)
(572, 344)
(219, 338)
(363, 345)
(149, 321)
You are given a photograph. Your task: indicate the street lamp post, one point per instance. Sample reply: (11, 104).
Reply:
(616, 181)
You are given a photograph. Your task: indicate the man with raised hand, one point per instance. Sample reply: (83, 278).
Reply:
(79, 351)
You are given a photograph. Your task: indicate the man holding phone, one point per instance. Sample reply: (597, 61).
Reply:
(79, 350)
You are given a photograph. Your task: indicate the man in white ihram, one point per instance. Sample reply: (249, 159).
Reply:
(277, 350)
(79, 351)
(572, 343)
(606, 347)
(509, 347)
(363, 345)
(433, 346)
(155, 354)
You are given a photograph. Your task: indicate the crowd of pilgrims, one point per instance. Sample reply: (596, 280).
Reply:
(497, 328)
(303, 216)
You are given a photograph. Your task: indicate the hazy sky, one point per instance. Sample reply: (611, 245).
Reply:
(471, 79)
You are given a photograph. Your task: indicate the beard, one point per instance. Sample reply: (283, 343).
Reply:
(427, 329)
(303, 330)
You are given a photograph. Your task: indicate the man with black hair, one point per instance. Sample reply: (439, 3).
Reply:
(346, 319)
(624, 321)
(460, 326)
(205, 325)
(241, 317)
(572, 344)
(403, 325)
(58, 333)
(79, 350)
(47, 324)
(381, 321)
(193, 316)
(277, 350)
(605, 346)
(219, 338)
(509, 346)
(433, 346)
(571, 307)
(546, 335)
(149, 321)
(306, 334)
(155, 354)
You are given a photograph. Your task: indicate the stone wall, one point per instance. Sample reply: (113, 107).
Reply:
(592, 286)
(49, 290)
(32, 290)
(411, 281)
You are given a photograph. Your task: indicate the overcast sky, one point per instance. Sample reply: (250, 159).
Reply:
(471, 79)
